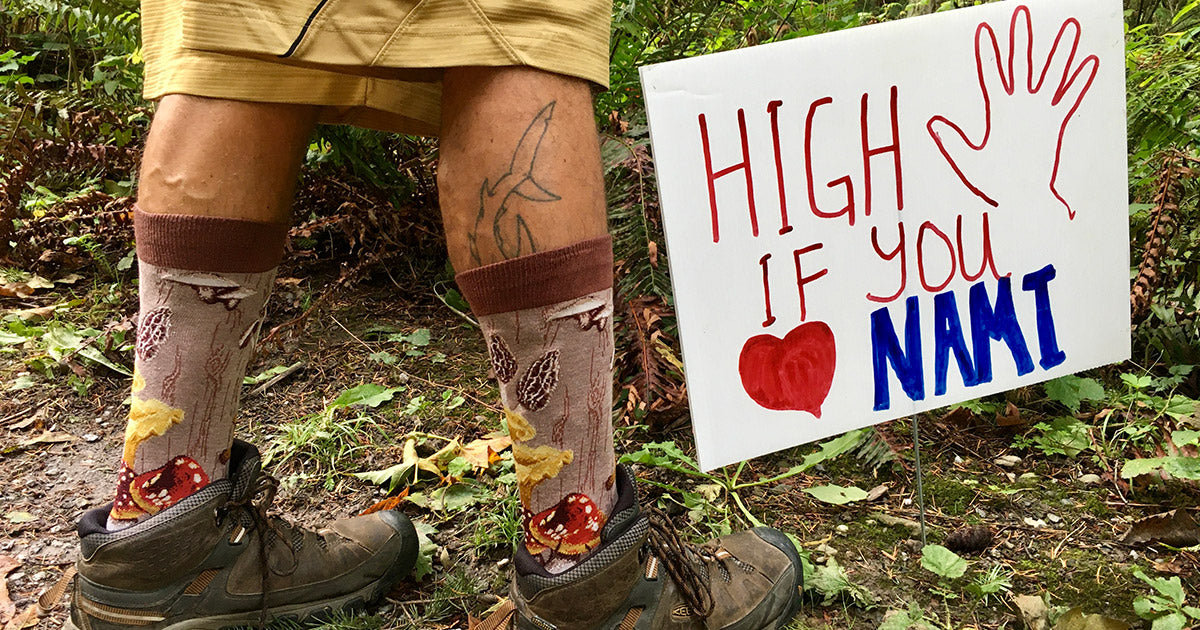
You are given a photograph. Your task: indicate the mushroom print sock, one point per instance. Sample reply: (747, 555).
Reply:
(547, 320)
(203, 286)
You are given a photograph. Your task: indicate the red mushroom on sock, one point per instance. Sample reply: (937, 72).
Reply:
(124, 508)
(571, 528)
(531, 544)
(161, 488)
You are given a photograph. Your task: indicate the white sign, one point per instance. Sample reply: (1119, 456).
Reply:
(867, 224)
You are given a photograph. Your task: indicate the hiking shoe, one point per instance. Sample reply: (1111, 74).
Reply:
(215, 559)
(643, 577)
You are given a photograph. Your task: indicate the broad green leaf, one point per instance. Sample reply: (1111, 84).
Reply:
(837, 495)
(425, 549)
(1072, 390)
(457, 497)
(831, 581)
(1185, 437)
(8, 339)
(1144, 466)
(1170, 621)
(943, 562)
(1063, 436)
(368, 394)
(265, 375)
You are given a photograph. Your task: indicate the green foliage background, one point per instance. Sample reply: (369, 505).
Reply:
(70, 73)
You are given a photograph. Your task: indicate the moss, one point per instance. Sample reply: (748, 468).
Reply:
(950, 496)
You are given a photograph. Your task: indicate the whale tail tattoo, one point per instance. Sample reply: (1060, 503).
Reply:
(509, 229)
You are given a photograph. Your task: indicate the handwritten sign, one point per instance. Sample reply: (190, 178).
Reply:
(867, 224)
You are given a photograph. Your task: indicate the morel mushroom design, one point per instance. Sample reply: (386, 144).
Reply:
(538, 382)
(152, 331)
(504, 364)
(161, 488)
(572, 527)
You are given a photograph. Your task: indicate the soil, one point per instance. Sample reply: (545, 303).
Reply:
(1054, 534)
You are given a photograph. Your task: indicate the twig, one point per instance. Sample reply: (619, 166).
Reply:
(292, 369)
(1057, 549)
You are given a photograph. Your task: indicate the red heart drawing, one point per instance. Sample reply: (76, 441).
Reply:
(793, 373)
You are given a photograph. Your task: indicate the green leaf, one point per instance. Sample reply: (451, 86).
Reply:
(265, 375)
(457, 497)
(831, 581)
(1170, 621)
(837, 495)
(368, 394)
(943, 562)
(8, 339)
(1063, 436)
(1072, 390)
(1181, 438)
(1144, 466)
(425, 549)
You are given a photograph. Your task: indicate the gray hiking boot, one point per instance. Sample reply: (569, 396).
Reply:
(642, 577)
(199, 564)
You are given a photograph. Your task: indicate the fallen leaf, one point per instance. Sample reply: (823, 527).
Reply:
(20, 517)
(41, 312)
(27, 619)
(1176, 528)
(1034, 611)
(897, 521)
(876, 492)
(70, 278)
(389, 503)
(483, 452)
(1074, 619)
(7, 607)
(49, 437)
(1010, 418)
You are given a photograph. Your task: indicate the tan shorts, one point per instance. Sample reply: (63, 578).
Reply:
(371, 63)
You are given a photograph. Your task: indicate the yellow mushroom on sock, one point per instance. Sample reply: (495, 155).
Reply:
(147, 419)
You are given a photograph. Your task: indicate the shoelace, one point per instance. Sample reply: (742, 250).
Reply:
(679, 560)
(254, 505)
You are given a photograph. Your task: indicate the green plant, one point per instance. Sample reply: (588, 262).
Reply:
(1165, 606)
(668, 456)
(995, 583)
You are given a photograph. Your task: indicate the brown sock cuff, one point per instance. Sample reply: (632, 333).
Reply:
(213, 244)
(539, 279)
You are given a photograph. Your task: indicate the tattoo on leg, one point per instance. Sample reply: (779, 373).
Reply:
(509, 229)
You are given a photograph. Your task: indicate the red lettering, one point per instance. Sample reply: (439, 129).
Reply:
(921, 256)
(802, 279)
(773, 110)
(848, 209)
(988, 262)
(899, 251)
(766, 290)
(868, 153)
(714, 175)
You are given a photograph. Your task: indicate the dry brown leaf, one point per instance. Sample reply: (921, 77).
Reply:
(7, 607)
(41, 312)
(483, 452)
(1034, 611)
(27, 619)
(1074, 619)
(49, 437)
(1010, 418)
(877, 492)
(1176, 528)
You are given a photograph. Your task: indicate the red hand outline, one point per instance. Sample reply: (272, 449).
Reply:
(1070, 90)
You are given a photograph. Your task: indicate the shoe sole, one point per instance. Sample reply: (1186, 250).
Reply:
(297, 613)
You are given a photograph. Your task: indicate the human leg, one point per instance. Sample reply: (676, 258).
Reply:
(522, 201)
(214, 199)
(187, 542)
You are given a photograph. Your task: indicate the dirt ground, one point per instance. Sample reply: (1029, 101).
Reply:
(1055, 523)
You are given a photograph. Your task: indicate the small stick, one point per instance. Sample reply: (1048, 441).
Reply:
(292, 369)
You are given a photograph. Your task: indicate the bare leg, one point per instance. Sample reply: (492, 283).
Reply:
(214, 200)
(523, 204)
(520, 164)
